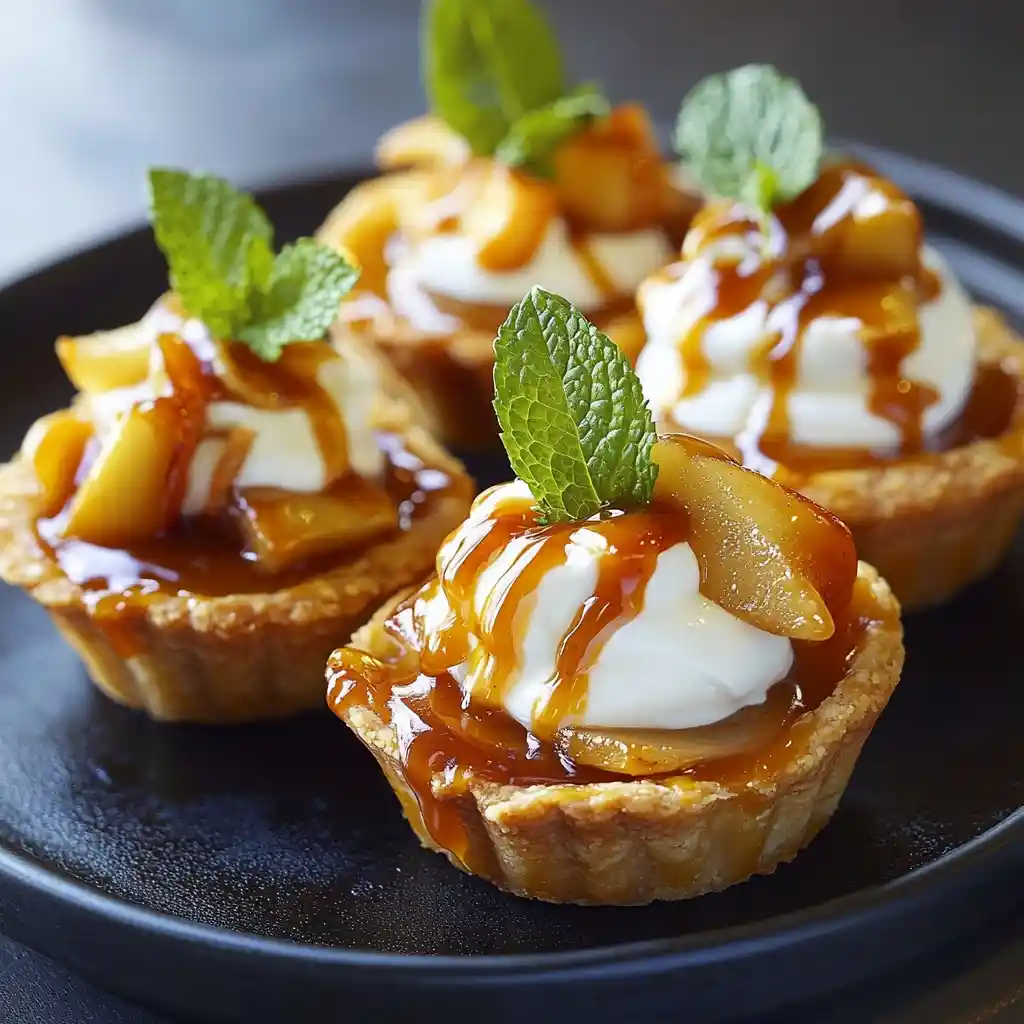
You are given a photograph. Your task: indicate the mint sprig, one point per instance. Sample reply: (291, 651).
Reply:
(531, 142)
(750, 134)
(573, 417)
(219, 249)
(493, 72)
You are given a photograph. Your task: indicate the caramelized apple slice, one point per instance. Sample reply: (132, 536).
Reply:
(656, 751)
(283, 529)
(55, 446)
(766, 554)
(125, 496)
(859, 222)
(368, 216)
(422, 142)
(611, 177)
(509, 218)
(106, 360)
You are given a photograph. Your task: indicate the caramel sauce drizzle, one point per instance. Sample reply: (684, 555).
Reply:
(804, 272)
(447, 738)
(204, 556)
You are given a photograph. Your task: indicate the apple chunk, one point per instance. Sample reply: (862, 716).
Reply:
(509, 217)
(282, 529)
(656, 751)
(125, 496)
(55, 446)
(421, 142)
(107, 360)
(766, 554)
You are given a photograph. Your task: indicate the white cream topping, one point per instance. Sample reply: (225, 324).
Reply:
(285, 452)
(446, 264)
(828, 406)
(682, 662)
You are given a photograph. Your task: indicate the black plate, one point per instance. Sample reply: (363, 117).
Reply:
(266, 873)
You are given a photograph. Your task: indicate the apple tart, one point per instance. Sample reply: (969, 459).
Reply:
(819, 340)
(651, 701)
(576, 196)
(204, 524)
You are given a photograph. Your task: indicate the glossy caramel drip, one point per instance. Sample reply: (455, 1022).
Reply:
(444, 741)
(629, 546)
(205, 557)
(819, 255)
(607, 179)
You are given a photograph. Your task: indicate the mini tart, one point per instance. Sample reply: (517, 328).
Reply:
(238, 657)
(452, 373)
(935, 523)
(670, 837)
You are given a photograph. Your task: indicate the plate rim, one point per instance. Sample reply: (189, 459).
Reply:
(997, 847)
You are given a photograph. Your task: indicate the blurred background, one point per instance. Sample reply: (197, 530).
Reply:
(94, 91)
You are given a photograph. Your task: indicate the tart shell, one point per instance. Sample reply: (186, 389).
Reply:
(234, 658)
(933, 525)
(635, 841)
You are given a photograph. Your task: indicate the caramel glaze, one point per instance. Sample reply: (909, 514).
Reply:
(446, 740)
(455, 205)
(820, 259)
(204, 555)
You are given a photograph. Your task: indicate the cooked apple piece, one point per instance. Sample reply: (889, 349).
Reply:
(366, 219)
(509, 218)
(282, 529)
(656, 751)
(106, 360)
(422, 142)
(611, 178)
(55, 446)
(882, 241)
(127, 493)
(859, 223)
(766, 554)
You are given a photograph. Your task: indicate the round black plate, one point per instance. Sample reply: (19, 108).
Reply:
(265, 873)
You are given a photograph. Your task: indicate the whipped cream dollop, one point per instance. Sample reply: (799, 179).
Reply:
(446, 265)
(828, 404)
(681, 662)
(284, 451)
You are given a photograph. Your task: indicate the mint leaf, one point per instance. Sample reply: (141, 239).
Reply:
(533, 139)
(305, 286)
(217, 242)
(486, 63)
(573, 418)
(750, 134)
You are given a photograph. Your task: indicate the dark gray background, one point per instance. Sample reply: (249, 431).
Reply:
(93, 91)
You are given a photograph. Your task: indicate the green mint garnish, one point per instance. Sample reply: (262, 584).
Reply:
(750, 134)
(489, 66)
(573, 417)
(219, 249)
(533, 139)
(301, 298)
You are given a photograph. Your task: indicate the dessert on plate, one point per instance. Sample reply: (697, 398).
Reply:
(809, 330)
(514, 177)
(211, 517)
(641, 671)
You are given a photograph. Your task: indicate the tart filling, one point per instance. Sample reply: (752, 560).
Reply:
(188, 466)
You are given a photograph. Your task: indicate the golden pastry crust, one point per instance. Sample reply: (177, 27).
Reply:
(631, 842)
(934, 524)
(239, 657)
